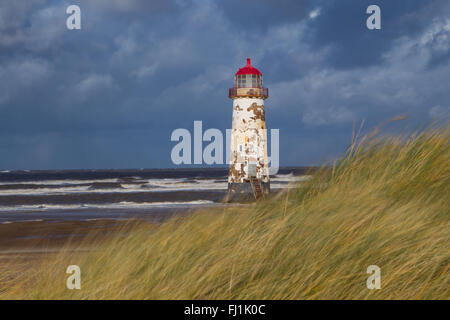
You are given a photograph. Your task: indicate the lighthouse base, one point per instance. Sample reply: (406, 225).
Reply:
(242, 192)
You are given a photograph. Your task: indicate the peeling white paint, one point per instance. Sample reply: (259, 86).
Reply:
(248, 140)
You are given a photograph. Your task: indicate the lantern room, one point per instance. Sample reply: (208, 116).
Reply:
(248, 77)
(248, 82)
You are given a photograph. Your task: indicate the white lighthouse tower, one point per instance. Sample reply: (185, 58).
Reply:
(249, 171)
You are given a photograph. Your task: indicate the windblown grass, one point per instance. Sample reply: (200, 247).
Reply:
(385, 203)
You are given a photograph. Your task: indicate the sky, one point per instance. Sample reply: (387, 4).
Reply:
(110, 95)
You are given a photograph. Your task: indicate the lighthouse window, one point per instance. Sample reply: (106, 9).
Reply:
(240, 81)
(254, 81)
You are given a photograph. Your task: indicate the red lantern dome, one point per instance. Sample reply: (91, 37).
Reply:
(248, 69)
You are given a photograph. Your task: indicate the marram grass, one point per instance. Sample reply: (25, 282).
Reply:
(385, 203)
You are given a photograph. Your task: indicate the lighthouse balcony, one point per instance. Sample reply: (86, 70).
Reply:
(251, 92)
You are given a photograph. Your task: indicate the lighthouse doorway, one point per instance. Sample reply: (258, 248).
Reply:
(252, 169)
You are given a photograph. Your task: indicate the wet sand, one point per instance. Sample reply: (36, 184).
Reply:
(24, 245)
(51, 234)
(40, 237)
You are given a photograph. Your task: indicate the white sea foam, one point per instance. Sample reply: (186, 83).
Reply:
(119, 205)
(27, 220)
(290, 178)
(282, 181)
(144, 185)
(61, 182)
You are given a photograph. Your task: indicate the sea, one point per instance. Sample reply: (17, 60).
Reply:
(154, 194)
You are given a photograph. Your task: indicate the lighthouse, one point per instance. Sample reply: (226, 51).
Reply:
(249, 172)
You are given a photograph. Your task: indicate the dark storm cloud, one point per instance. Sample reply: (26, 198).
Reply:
(258, 15)
(110, 94)
(353, 45)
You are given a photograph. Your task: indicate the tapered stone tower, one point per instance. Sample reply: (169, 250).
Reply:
(249, 173)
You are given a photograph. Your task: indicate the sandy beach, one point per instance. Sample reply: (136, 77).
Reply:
(40, 236)
(25, 245)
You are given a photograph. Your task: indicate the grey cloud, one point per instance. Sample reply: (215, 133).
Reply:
(440, 112)
(94, 82)
(13, 21)
(258, 15)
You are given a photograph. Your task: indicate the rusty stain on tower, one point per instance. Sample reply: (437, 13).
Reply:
(249, 172)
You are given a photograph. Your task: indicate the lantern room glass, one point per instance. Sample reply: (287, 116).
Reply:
(248, 81)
